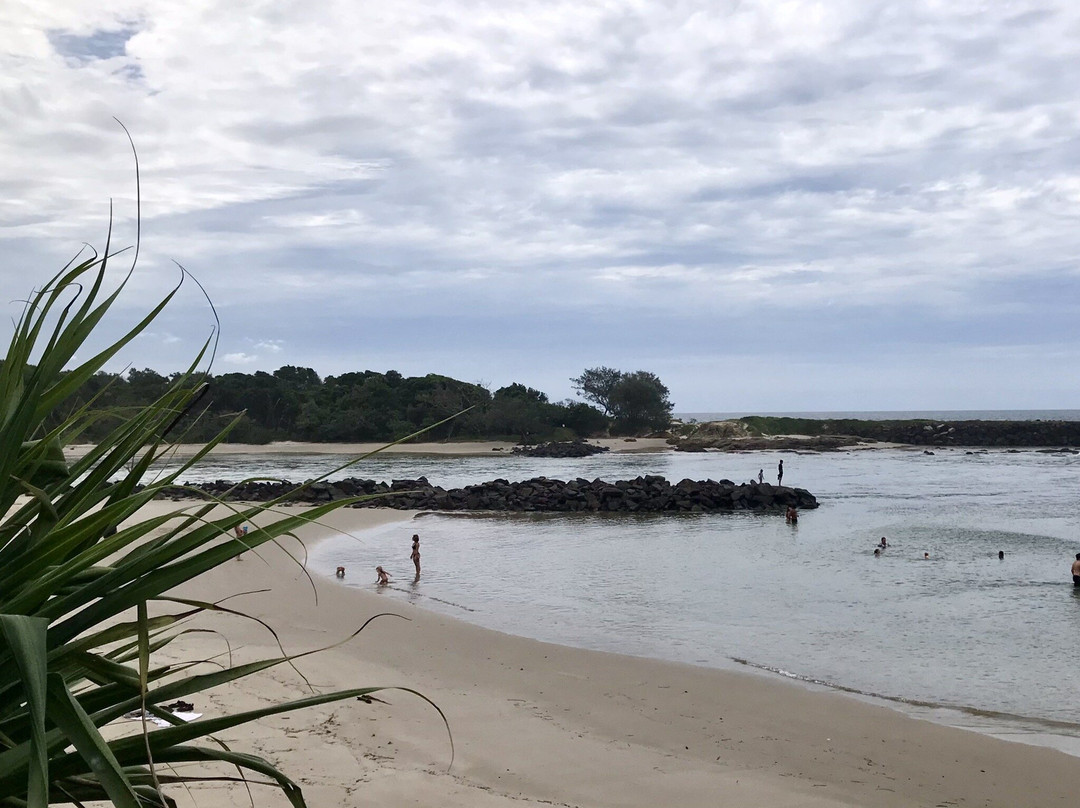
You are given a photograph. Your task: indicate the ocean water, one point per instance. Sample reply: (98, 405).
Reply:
(963, 637)
(904, 415)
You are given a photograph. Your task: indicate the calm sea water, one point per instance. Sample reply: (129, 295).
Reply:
(905, 415)
(963, 637)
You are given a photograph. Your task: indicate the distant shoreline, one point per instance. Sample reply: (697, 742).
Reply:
(454, 449)
(792, 442)
(893, 415)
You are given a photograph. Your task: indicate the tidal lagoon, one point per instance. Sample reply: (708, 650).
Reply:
(964, 637)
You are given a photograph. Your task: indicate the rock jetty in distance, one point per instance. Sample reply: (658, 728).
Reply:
(648, 494)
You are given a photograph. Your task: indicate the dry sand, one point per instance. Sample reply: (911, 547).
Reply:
(460, 448)
(539, 724)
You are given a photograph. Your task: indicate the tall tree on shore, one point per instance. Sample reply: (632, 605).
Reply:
(639, 402)
(597, 384)
(636, 401)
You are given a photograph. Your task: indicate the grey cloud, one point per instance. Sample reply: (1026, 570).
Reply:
(633, 184)
(1031, 18)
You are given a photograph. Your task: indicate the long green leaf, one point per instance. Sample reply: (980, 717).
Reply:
(92, 753)
(25, 636)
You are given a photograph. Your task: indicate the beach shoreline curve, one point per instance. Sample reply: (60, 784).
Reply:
(540, 722)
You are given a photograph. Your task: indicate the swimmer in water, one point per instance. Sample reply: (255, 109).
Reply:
(383, 578)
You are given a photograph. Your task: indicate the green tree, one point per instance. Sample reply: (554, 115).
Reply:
(584, 419)
(298, 378)
(145, 385)
(597, 385)
(639, 403)
(521, 411)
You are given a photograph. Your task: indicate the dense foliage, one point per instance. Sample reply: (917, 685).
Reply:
(637, 402)
(294, 403)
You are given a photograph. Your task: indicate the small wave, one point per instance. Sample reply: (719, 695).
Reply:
(1064, 727)
(414, 594)
(1007, 584)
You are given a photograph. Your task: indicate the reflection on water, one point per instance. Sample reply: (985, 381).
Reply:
(963, 628)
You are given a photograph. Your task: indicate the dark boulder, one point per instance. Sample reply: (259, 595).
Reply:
(576, 448)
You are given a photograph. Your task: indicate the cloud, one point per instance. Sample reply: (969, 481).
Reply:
(163, 337)
(508, 167)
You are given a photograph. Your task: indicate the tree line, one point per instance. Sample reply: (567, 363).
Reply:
(294, 403)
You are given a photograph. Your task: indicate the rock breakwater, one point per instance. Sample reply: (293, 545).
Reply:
(921, 432)
(575, 448)
(648, 494)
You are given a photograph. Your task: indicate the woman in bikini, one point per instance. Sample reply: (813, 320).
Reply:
(416, 554)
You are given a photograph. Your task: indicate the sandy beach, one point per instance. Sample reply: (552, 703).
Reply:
(458, 448)
(534, 723)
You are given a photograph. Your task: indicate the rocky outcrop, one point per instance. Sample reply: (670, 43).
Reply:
(973, 433)
(736, 436)
(649, 494)
(830, 443)
(928, 433)
(575, 448)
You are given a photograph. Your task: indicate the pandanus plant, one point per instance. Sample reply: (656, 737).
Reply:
(85, 581)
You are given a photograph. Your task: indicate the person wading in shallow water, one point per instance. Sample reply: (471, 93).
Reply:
(780, 473)
(416, 554)
(1076, 571)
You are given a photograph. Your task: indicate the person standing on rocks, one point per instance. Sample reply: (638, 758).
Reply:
(780, 473)
(760, 476)
(416, 554)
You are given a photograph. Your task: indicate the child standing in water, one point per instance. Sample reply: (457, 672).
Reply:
(416, 554)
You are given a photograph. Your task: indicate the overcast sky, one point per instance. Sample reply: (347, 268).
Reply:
(775, 206)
